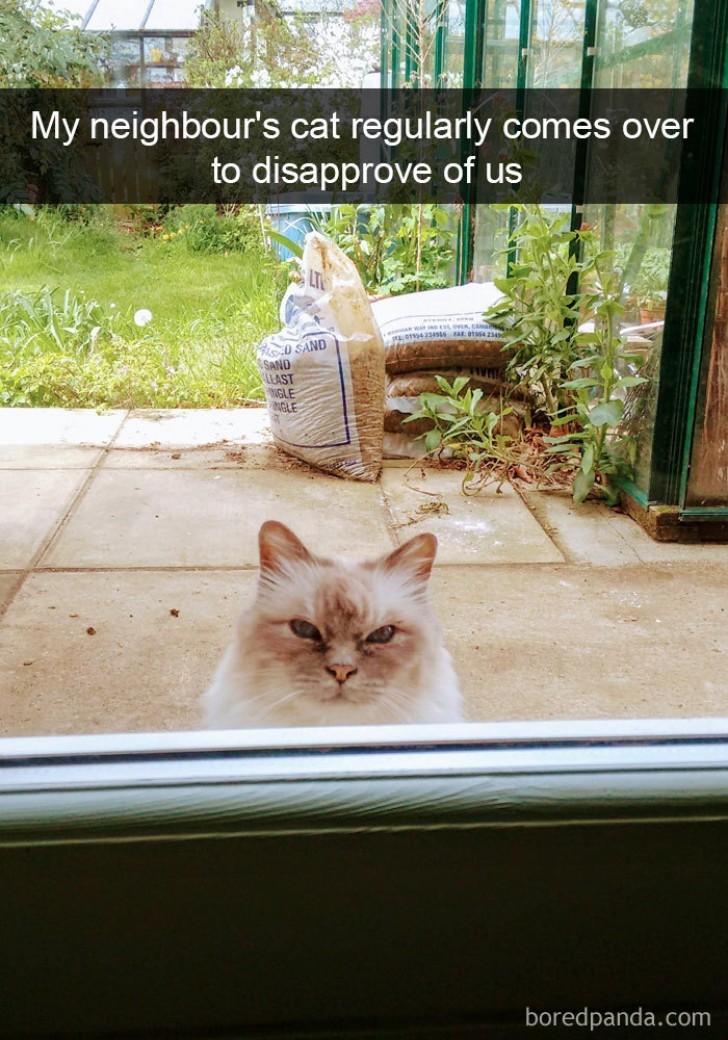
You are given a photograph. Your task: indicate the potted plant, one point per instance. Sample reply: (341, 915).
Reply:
(649, 290)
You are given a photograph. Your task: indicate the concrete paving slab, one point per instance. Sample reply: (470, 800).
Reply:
(542, 643)
(588, 533)
(487, 528)
(8, 582)
(140, 669)
(224, 456)
(650, 551)
(47, 456)
(194, 427)
(196, 518)
(32, 503)
(59, 426)
(582, 643)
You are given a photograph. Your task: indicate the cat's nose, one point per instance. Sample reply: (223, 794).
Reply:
(341, 672)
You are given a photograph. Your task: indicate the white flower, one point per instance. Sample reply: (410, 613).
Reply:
(234, 77)
(260, 78)
(142, 317)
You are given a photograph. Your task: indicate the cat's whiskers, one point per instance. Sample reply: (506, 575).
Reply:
(266, 695)
(401, 705)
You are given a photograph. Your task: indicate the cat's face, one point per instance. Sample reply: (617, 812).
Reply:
(337, 632)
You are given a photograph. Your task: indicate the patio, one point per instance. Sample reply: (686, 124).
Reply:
(128, 541)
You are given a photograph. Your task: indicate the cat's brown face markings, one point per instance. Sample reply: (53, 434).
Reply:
(356, 633)
(344, 637)
(336, 642)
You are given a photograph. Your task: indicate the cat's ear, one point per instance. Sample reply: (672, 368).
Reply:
(414, 558)
(279, 547)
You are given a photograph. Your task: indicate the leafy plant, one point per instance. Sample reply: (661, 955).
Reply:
(49, 321)
(396, 248)
(560, 314)
(43, 48)
(463, 424)
(541, 304)
(649, 289)
(204, 230)
(593, 417)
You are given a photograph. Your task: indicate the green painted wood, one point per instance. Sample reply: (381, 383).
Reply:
(441, 33)
(475, 36)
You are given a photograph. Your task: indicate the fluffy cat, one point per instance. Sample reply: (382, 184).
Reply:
(332, 642)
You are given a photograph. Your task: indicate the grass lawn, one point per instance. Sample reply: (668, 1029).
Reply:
(68, 295)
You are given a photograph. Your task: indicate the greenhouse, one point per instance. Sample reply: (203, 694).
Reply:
(676, 254)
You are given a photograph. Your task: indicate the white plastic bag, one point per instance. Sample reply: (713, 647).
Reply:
(324, 372)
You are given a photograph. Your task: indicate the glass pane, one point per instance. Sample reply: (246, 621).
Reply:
(641, 239)
(555, 47)
(124, 50)
(112, 15)
(162, 50)
(643, 44)
(426, 20)
(500, 45)
(174, 14)
(490, 238)
(455, 44)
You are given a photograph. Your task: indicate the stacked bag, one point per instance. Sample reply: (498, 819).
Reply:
(343, 375)
(441, 332)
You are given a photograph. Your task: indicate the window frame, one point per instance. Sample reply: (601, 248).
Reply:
(80, 816)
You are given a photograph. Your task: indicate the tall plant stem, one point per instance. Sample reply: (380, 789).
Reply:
(418, 262)
(550, 403)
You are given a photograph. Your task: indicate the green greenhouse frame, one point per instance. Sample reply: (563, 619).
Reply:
(519, 44)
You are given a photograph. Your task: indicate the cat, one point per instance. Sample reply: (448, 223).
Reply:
(331, 642)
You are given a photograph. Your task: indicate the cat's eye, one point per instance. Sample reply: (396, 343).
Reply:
(381, 635)
(305, 630)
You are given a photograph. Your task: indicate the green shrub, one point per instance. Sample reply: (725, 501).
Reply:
(396, 248)
(204, 230)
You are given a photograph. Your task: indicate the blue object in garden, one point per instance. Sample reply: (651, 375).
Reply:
(295, 220)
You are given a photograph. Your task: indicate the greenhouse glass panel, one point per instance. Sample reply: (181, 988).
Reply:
(162, 49)
(173, 14)
(501, 29)
(417, 51)
(109, 15)
(453, 70)
(642, 45)
(498, 64)
(125, 50)
(555, 45)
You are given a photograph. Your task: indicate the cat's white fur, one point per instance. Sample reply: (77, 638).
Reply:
(270, 676)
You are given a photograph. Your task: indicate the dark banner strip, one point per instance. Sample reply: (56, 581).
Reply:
(321, 146)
